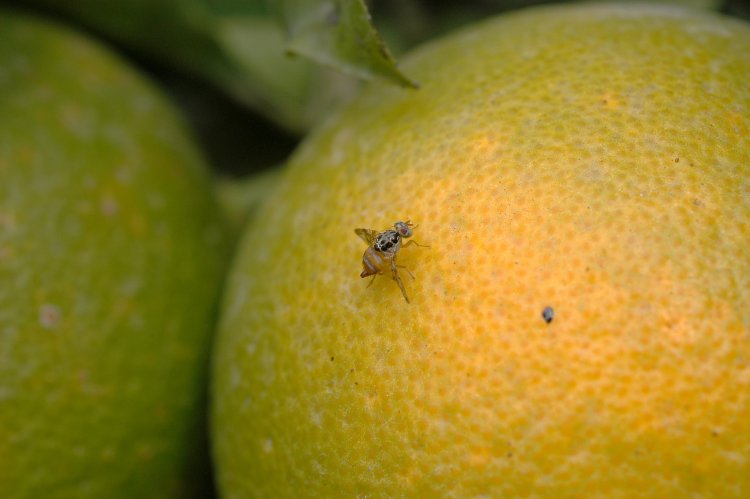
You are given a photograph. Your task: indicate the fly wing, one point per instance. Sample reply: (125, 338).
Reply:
(367, 235)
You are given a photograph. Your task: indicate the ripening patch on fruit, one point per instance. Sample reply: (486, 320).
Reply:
(594, 159)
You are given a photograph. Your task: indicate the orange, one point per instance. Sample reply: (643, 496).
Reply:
(111, 257)
(594, 159)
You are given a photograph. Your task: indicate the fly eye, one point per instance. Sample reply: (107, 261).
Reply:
(403, 229)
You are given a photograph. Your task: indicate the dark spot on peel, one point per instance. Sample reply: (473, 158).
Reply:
(548, 314)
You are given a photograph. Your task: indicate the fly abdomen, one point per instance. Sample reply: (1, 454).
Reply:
(373, 262)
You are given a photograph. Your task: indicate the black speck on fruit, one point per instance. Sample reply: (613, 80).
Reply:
(548, 314)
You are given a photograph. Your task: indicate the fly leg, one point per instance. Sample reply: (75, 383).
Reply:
(406, 269)
(371, 280)
(412, 241)
(398, 280)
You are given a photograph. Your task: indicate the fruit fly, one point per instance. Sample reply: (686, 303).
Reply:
(382, 251)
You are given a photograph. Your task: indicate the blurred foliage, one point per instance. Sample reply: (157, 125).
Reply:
(237, 46)
(231, 63)
(239, 198)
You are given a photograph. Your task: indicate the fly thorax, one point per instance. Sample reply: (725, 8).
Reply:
(388, 241)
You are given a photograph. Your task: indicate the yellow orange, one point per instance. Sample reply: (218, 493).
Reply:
(592, 159)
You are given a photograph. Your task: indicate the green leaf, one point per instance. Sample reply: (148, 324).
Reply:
(339, 33)
(294, 91)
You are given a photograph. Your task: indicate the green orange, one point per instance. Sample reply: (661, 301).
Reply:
(111, 257)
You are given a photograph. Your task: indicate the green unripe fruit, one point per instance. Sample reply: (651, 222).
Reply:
(111, 257)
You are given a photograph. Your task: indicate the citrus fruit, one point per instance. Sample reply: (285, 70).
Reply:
(580, 323)
(111, 258)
